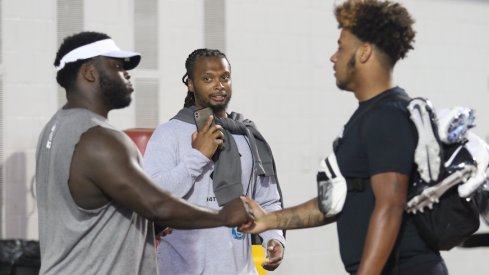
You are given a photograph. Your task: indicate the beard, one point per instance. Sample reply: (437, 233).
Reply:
(350, 70)
(220, 108)
(115, 93)
(216, 108)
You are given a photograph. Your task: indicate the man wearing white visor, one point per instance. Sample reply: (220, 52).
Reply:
(95, 202)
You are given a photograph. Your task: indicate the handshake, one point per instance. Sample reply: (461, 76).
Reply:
(244, 213)
(332, 189)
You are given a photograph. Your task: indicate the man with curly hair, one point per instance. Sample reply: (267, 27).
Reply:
(374, 155)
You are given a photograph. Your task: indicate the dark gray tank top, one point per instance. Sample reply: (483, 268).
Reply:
(109, 240)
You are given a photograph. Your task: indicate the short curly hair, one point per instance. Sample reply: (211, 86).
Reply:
(66, 77)
(385, 24)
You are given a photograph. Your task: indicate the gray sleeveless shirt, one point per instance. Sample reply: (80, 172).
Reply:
(109, 240)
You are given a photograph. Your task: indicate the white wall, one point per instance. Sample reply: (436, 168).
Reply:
(28, 37)
(181, 32)
(283, 80)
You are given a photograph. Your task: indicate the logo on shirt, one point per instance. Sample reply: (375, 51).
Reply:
(236, 234)
(211, 199)
(50, 138)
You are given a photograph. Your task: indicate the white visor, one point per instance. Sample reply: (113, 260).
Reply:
(106, 47)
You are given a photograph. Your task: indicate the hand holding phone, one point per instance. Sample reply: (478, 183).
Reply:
(201, 116)
(206, 140)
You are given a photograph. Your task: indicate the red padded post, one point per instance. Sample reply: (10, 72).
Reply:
(140, 136)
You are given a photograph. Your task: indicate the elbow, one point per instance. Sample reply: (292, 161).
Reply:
(392, 207)
(398, 206)
(159, 212)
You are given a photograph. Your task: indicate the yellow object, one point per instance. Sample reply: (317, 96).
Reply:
(258, 253)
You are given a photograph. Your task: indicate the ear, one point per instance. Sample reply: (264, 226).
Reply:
(365, 51)
(190, 85)
(88, 72)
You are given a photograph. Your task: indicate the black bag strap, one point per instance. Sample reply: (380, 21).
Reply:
(383, 99)
(377, 103)
(358, 184)
(361, 115)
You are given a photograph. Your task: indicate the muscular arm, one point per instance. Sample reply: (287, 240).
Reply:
(106, 163)
(390, 191)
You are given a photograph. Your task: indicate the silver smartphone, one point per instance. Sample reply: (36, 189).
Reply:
(200, 117)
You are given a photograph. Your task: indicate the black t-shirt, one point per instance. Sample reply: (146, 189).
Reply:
(378, 138)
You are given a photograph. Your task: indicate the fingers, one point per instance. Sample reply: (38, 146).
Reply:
(194, 136)
(208, 123)
(164, 233)
(244, 199)
(261, 220)
(248, 214)
(249, 211)
(217, 132)
(211, 127)
(246, 203)
(246, 227)
(271, 266)
(274, 255)
(208, 139)
(255, 209)
(249, 202)
(272, 263)
(236, 214)
(213, 131)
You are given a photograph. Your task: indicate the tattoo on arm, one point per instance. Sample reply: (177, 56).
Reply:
(301, 216)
